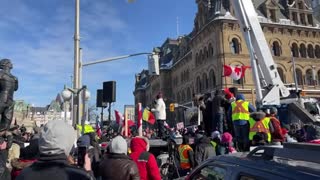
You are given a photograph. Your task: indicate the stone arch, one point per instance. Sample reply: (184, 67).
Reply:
(318, 75)
(235, 46)
(205, 81)
(206, 53)
(212, 79)
(189, 94)
(281, 74)
(303, 50)
(299, 76)
(276, 48)
(197, 59)
(309, 77)
(183, 96)
(210, 47)
(317, 51)
(310, 51)
(198, 85)
(295, 49)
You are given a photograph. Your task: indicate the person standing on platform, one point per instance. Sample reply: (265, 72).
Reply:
(160, 114)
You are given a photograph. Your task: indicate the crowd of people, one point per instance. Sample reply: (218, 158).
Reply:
(54, 151)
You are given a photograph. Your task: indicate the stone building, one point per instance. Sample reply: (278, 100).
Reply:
(193, 64)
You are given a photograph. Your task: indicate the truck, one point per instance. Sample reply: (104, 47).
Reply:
(269, 88)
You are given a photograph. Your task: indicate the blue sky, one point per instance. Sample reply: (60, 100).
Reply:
(37, 35)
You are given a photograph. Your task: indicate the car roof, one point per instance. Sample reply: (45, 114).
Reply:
(289, 164)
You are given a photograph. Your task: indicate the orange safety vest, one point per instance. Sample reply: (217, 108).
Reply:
(259, 126)
(184, 157)
(240, 110)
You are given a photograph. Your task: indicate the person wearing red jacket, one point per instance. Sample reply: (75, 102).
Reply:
(146, 162)
(277, 135)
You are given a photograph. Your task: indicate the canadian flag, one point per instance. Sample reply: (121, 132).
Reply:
(235, 73)
(119, 117)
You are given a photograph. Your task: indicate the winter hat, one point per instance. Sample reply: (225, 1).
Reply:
(258, 115)
(215, 134)
(226, 137)
(119, 145)
(56, 137)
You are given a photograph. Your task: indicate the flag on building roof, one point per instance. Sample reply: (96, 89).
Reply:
(148, 116)
(235, 73)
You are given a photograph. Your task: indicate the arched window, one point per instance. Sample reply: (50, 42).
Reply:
(281, 74)
(181, 77)
(317, 51)
(201, 56)
(189, 94)
(310, 51)
(198, 85)
(299, 76)
(318, 74)
(210, 50)
(276, 49)
(295, 50)
(183, 96)
(303, 50)
(212, 79)
(205, 81)
(235, 46)
(197, 59)
(206, 52)
(309, 79)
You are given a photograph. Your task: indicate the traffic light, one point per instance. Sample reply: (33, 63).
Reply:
(153, 64)
(172, 107)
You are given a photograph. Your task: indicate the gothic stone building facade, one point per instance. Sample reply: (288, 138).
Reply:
(193, 64)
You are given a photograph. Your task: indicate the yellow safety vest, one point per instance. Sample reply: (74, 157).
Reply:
(240, 110)
(259, 126)
(87, 128)
(184, 157)
(214, 144)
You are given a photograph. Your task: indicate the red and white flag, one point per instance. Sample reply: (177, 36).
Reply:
(235, 73)
(119, 117)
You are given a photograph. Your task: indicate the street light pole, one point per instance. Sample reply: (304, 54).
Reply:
(76, 61)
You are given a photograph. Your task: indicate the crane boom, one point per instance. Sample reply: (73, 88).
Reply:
(268, 84)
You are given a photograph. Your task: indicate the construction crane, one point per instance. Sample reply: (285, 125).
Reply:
(268, 84)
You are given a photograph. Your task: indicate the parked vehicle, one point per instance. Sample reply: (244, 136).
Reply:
(290, 161)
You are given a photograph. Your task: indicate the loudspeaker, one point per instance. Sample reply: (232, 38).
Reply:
(109, 91)
(100, 102)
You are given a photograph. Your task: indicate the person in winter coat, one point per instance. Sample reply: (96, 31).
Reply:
(227, 144)
(117, 165)
(239, 113)
(277, 137)
(204, 150)
(312, 134)
(160, 114)
(218, 103)
(89, 140)
(259, 123)
(55, 143)
(146, 162)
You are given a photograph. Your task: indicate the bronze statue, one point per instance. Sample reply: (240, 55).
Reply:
(8, 84)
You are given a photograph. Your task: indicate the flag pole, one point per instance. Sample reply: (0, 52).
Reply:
(125, 123)
(140, 119)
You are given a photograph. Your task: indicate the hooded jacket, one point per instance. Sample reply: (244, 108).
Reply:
(204, 150)
(240, 122)
(160, 109)
(55, 143)
(148, 167)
